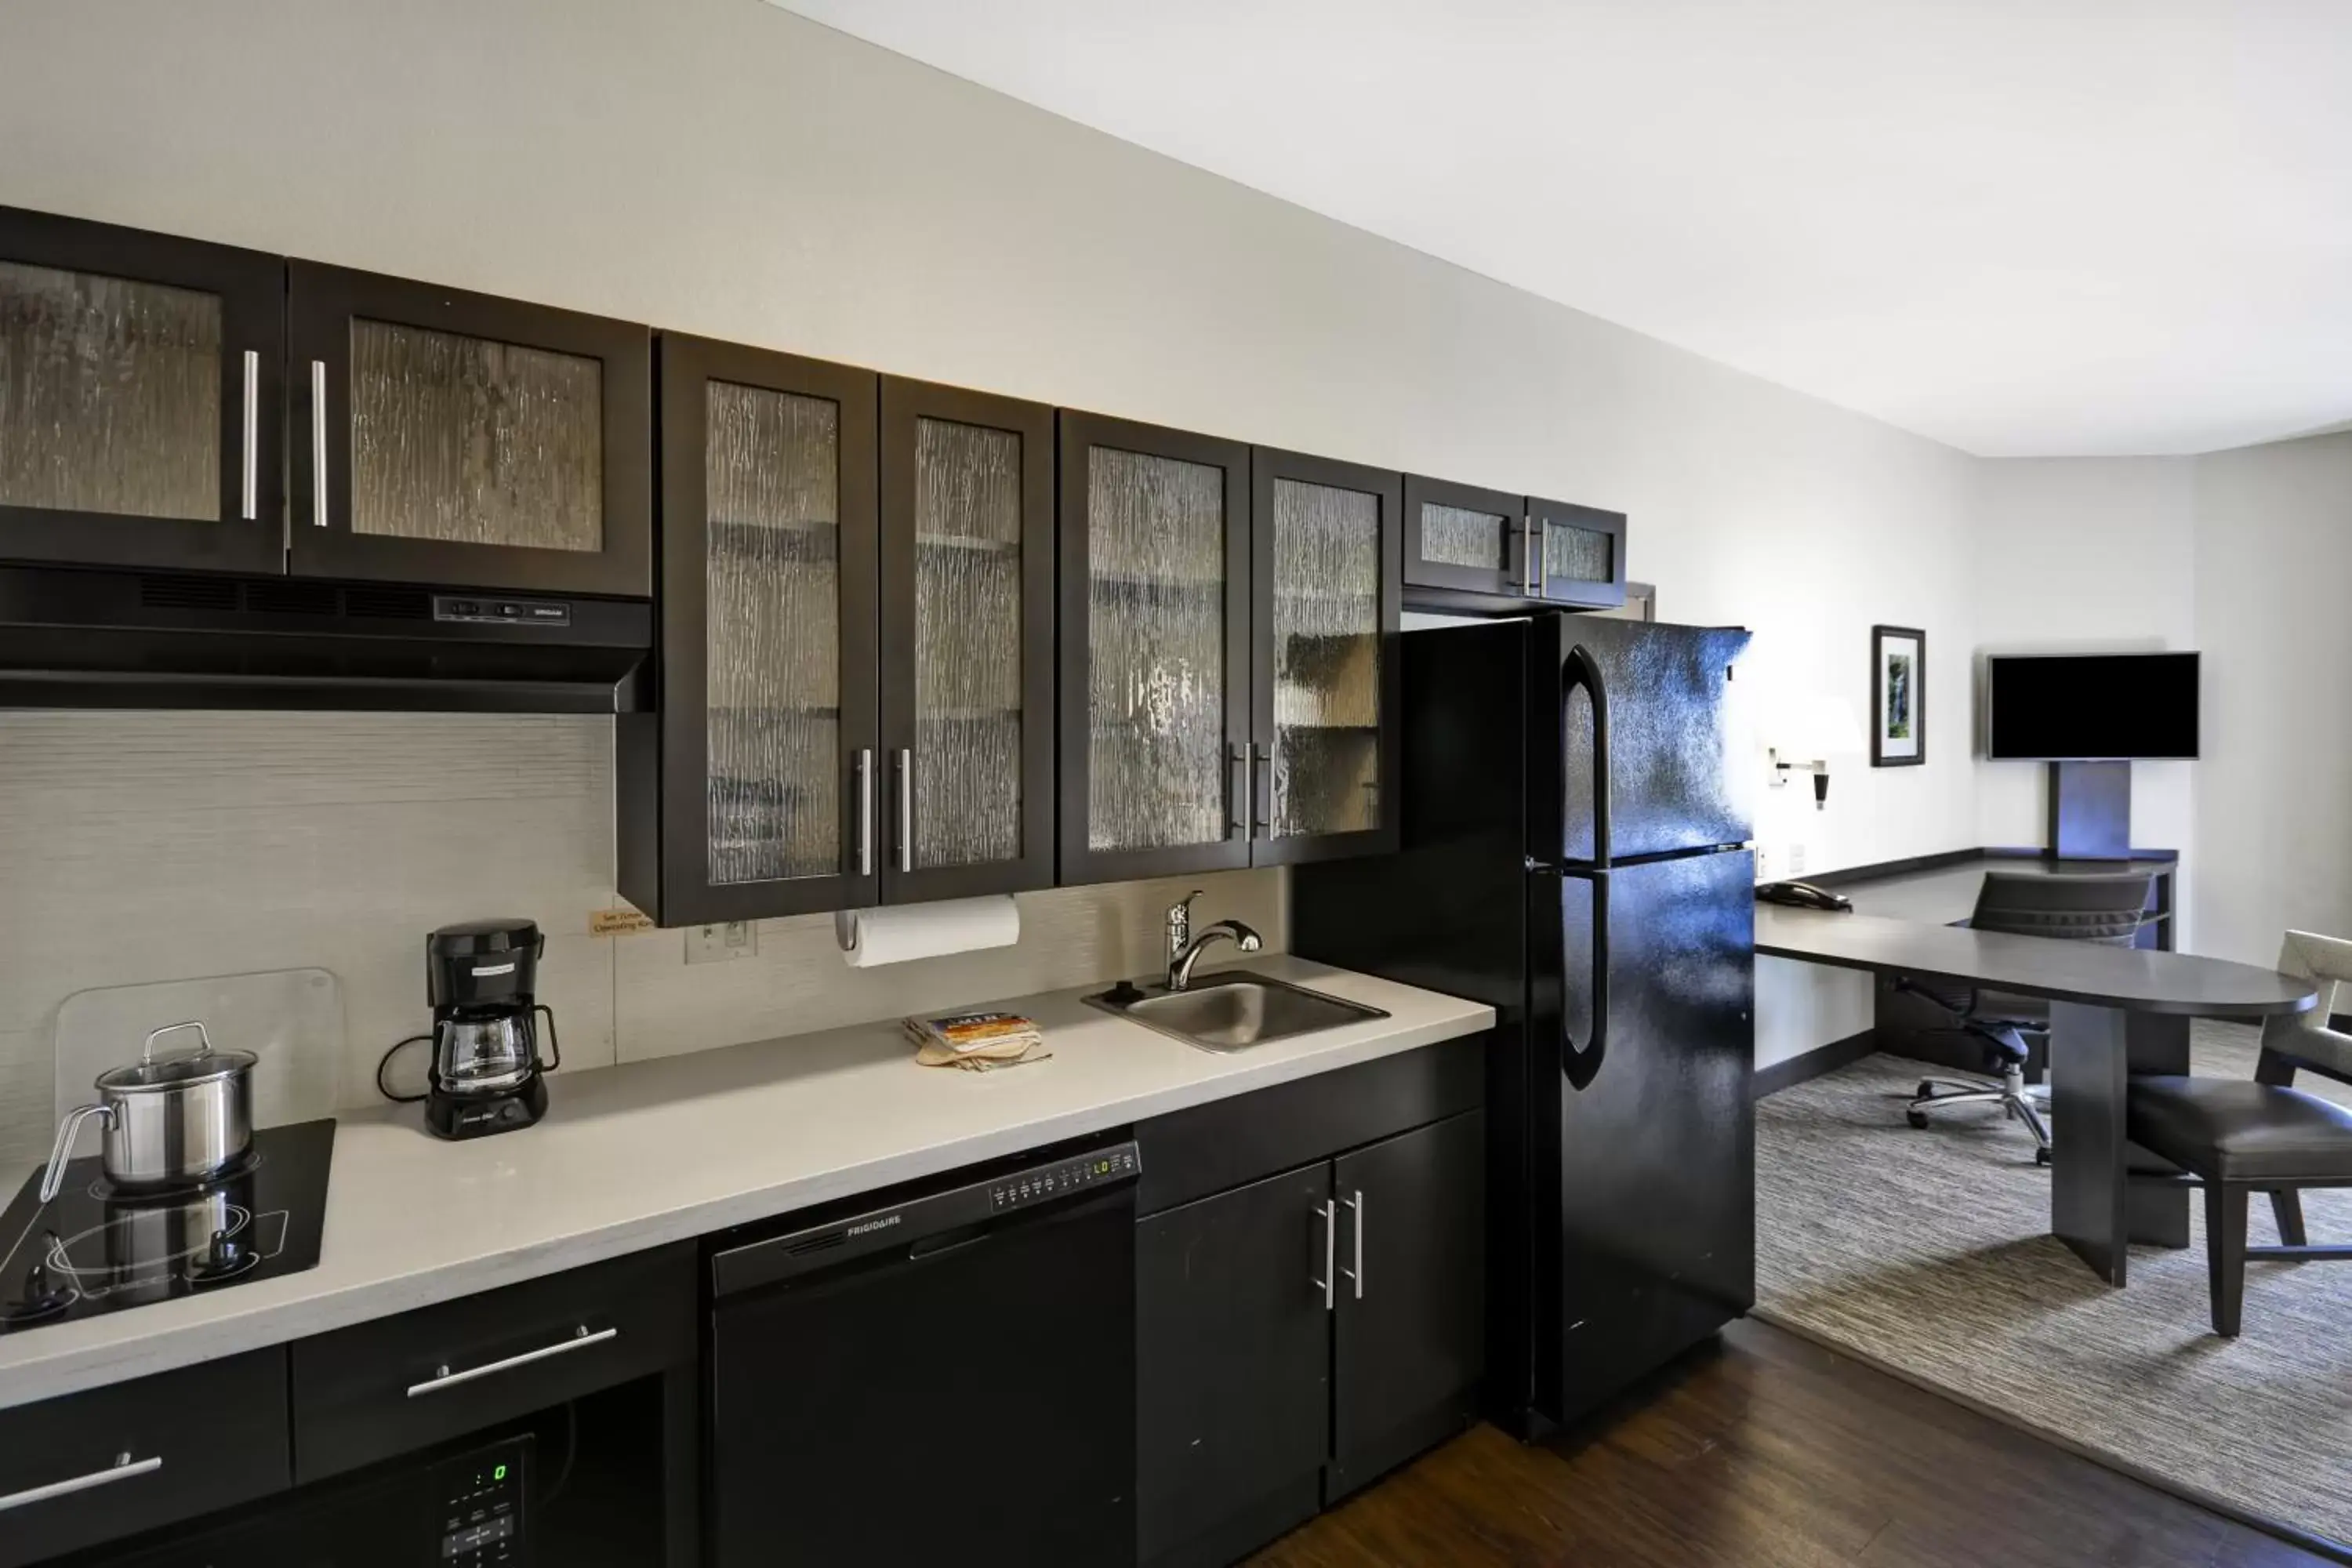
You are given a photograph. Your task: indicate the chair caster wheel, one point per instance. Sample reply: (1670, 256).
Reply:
(1915, 1118)
(2042, 1156)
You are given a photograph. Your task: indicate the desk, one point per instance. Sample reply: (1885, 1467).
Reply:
(1942, 889)
(2108, 1011)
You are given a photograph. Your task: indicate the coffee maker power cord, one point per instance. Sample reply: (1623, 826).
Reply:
(384, 1061)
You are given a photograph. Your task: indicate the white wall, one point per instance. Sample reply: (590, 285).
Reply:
(2274, 590)
(722, 167)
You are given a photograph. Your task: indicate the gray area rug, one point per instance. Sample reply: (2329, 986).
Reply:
(1928, 1254)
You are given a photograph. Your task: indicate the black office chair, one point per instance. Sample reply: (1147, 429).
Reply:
(2105, 909)
(2234, 1138)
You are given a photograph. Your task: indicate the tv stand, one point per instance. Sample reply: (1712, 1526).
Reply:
(2090, 811)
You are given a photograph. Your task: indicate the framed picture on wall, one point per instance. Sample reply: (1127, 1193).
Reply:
(1898, 696)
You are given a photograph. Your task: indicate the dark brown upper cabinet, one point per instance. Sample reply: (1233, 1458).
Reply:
(757, 790)
(140, 398)
(447, 437)
(1156, 745)
(1326, 596)
(967, 681)
(1462, 540)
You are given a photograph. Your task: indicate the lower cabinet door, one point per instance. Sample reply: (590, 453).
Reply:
(111, 1462)
(1411, 1324)
(1233, 1402)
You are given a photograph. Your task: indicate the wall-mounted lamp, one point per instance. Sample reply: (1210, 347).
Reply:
(1805, 734)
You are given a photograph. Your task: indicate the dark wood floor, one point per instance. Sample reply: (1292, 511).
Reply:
(1770, 1452)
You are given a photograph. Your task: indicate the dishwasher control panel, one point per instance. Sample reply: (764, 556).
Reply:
(1043, 1182)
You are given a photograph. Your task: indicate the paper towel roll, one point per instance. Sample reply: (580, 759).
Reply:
(869, 937)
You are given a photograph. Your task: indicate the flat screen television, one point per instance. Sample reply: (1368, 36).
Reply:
(2092, 707)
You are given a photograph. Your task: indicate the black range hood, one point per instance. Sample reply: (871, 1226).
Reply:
(71, 637)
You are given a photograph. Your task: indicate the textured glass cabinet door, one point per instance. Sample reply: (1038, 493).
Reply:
(139, 382)
(457, 439)
(773, 635)
(1161, 670)
(1580, 553)
(967, 641)
(756, 791)
(474, 441)
(1326, 660)
(1457, 536)
(1326, 564)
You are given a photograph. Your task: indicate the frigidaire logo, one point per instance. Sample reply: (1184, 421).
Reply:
(885, 1223)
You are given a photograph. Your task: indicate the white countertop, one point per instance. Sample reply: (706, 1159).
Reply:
(638, 1156)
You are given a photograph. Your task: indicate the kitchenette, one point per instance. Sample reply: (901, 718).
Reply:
(574, 756)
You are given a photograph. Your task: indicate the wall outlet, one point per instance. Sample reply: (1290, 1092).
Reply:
(1795, 860)
(714, 944)
(1764, 858)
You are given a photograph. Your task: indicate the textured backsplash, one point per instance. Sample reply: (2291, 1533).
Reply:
(143, 847)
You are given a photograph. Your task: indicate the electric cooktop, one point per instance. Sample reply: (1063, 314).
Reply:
(97, 1249)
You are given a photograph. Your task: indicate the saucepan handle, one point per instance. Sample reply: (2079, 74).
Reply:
(54, 1178)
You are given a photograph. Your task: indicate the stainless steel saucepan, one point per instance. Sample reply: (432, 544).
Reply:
(169, 1119)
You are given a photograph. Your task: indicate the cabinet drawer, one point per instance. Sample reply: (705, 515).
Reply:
(366, 1392)
(195, 1440)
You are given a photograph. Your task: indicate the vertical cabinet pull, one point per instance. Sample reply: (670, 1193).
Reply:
(249, 467)
(864, 811)
(1536, 549)
(1329, 1213)
(1355, 1204)
(906, 809)
(318, 443)
(1237, 820)
(1262, 789)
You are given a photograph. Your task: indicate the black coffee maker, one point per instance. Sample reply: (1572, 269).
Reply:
(485, 1071)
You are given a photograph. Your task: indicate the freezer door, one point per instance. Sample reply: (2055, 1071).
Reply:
(1643, 1114)
(1674, 779)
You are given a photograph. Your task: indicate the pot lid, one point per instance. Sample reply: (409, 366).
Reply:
(175, 1072)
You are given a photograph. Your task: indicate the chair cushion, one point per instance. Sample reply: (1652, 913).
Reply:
(2238, 1131)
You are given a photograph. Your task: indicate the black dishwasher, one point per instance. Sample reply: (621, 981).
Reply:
(940, 1373)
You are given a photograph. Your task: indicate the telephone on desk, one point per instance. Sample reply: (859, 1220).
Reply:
(1804, 896)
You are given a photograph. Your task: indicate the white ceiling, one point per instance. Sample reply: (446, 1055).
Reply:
(2018, 225)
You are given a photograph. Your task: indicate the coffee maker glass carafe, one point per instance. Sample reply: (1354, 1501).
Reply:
(486, 1052)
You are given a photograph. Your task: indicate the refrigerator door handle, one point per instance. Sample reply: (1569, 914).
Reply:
(1581, 1066)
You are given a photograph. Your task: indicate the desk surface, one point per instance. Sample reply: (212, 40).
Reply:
(2101, 976)
(1941, 895)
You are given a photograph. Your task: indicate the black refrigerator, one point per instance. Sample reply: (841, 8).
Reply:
(1574, 854)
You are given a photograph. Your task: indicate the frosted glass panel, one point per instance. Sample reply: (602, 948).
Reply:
(1156, 660)
(967, 644)
(109, 395)
(773, 635)
(475, 442)
(1573, 555)
(1326, 659)
(1455, 536)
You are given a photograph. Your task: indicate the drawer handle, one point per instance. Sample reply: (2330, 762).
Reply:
(443, 1378)
(123, 1468)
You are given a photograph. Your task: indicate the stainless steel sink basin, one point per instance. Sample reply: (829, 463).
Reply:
(1233, 1012)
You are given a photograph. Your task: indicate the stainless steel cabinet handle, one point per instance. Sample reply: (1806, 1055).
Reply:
(1328, 1284)
(1535, 561)
(1237, 820)
(122, 1470)
(580, 1340)
(1262, 789)
(251, 470)
(318, 443)
(865, 811)
(906, 809)
(1356, 1275)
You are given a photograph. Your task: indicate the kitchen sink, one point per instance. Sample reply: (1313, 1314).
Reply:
(1232, 1012)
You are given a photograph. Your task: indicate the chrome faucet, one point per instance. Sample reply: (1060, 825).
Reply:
(1184, 948)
